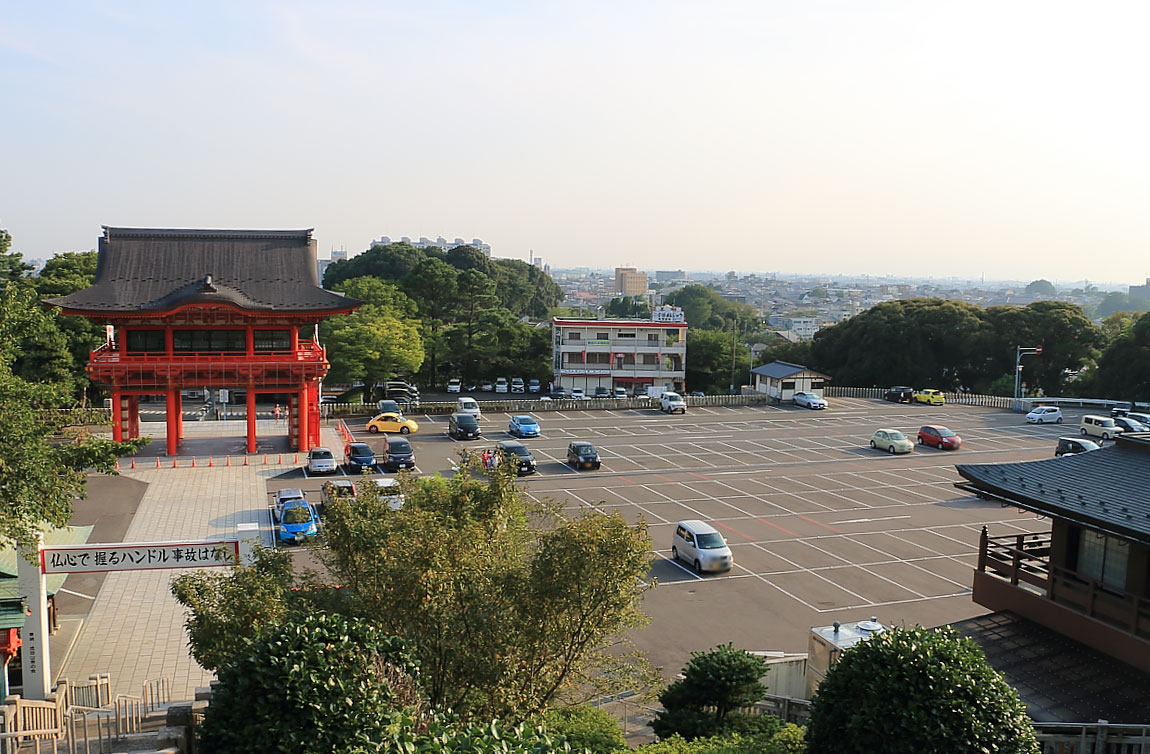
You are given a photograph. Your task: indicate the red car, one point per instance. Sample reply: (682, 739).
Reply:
(939, 437)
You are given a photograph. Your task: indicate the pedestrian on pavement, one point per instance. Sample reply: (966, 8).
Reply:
(277, 413)
(486, 459)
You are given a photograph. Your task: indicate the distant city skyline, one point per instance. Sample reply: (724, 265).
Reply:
(955, 140)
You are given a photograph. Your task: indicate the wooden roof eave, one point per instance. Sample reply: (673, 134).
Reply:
(106, 315)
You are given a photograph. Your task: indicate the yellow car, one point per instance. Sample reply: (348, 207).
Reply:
(390, 422)
(929, 397)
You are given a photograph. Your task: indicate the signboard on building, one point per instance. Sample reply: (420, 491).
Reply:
(139, 556)
(589, 372)
(666, 313)
(597, 342)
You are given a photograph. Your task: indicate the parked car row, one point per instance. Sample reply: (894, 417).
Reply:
(934, 435)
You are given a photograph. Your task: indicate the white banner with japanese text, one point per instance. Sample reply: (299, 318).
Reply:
(139, 556)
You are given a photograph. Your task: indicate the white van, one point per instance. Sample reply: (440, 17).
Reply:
(1099, 426)
(467, 406)
(702, 546)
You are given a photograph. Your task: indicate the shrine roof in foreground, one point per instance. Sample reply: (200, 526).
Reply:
(142, 270)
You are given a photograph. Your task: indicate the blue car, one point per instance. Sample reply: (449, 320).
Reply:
(298, 521)
(523, 426)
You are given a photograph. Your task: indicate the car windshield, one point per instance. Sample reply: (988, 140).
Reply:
(712, 541)
(1107, 423)
(519, 450)
(467, 403)
(585, 450)
(361, 451)
(672, 396)
(321, 453)
(896, 436)
(297, 514)
(399, 446)
(466, 420)
(524, 420)
(944, 432)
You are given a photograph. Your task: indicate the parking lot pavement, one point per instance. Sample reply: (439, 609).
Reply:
(822, 527)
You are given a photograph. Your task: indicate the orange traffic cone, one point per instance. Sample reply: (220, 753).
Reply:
(157, 462)
(175, 462)
(193, 462)
(245, 459)
(210, 462)
(296, 461)
(281, 460)
(265, 459)
(229, 463)
(117, 464)
(133, 462)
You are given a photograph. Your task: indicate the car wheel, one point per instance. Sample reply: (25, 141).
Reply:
(1059, 420)
(1082, 431)
(873, 446)
(674, 553)
(373, 429)
(890, 449)
(1105, 436)
(698, 568)
(404, 431)
(920, 440)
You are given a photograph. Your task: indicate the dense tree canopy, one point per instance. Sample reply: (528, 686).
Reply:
(706, 309)
(506, 603)
(713, 684)
(909, 691)
(1041, 288)
(39, 478)
(947, 344)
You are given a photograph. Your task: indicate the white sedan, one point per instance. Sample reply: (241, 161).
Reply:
(810, 400)
(1045, 415)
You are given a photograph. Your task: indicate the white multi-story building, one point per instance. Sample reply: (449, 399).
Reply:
(440, 243)
(803, 327)
(627, 353)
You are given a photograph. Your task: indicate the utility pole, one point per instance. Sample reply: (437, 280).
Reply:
(1019, 352)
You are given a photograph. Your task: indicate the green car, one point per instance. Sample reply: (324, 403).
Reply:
(892, 441)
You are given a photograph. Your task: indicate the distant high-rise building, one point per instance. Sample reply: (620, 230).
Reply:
(630, 282)
(1141, 292)
(440, 243)
(323, 264)
(537, 262)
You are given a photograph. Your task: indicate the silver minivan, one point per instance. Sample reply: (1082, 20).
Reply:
(1099, 426)
(702, 546)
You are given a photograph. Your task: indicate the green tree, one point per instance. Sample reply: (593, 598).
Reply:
(78, 336)
(713, 684)
(585, 727)
(389, 262)
(507, 603)
(1041, 288)
(1124, 367)
(913, 691)
(315, 683)
(706, 309)
(225, 610)
(475, 298)
(434, 284)
(709, 360)
(40, 476)
(375, 342)
(629, 306)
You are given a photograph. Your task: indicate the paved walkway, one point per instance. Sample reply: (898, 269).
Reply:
(135, 630)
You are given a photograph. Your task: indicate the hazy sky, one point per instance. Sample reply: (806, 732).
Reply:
(1005, 139)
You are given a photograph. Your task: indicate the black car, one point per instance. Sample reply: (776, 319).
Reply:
(1130, 425)
(399, 454)
(1069, 446)
(513, 451)
(1121, 408)
(602, 392)
(388, 407)
(899, 394)
(463, 427)
(558, 393)
(582, 455)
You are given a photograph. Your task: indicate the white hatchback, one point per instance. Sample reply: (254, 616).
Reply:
(1045, 415)
(454, 385)
(701, 545)
(320, 460)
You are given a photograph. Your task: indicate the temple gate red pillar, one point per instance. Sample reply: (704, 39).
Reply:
(251, 406)
(172, 421)
(179, 415)
(302, 412)
(133, 417)
(117, 417)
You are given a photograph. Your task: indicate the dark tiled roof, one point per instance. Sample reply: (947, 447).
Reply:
(778, 370)
(1104, 489)
(1059, 679)
(156, 270)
